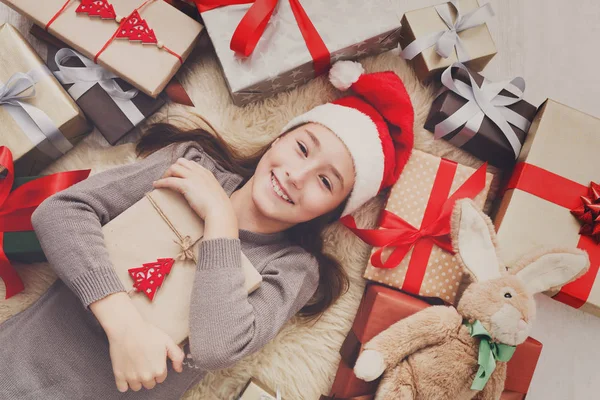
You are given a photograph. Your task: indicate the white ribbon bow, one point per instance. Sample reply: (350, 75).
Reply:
(483, 101)
(83, 78)
(35, 123)
(447, 40)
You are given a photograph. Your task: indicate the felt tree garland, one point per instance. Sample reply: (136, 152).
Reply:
(150, 277)
(136, 28)
(97, 8)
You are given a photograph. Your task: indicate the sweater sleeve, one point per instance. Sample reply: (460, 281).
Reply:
(69, 223)
(226, 323)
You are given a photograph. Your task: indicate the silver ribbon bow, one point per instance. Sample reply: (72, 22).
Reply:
(483, 101)
(35, 123)
(447, 40)
(83, 78)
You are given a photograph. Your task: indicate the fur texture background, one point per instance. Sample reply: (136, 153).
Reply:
(302, 360)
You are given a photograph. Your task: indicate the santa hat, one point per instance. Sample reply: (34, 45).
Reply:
(377, 127)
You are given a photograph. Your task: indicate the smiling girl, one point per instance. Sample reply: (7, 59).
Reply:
(325, 164)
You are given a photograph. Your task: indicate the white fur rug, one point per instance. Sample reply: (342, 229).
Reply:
(302, 360)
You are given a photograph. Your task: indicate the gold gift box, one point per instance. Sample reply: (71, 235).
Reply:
(477, 41)
(16, 55)
(565, 142)
(146, 67)
(408, 199)
(151, 229)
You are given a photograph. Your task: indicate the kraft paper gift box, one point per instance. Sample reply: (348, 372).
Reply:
(256, 390)
(42, 122)
(557, 165)
(159, 226)
(281, 59)
(417, 198)
(145, 66)
(424, 23)
(380, 308)
(112, 105)
(488, 142)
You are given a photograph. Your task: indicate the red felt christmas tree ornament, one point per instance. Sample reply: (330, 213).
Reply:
(150, 277)
(97, 8)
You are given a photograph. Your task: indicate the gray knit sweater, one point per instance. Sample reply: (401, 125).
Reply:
(56, 349)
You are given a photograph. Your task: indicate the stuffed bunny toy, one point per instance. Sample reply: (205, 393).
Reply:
(436, 353)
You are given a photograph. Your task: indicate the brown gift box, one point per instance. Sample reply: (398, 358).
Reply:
(96, 103)
(16, 55)
(477, 40)
(156, 227)
(256, 390)
(380, 308)
(489, 144)
(409, 199)
(146, 67)
(558, 161)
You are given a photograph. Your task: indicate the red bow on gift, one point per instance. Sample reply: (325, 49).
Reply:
(402, 236)
(253, 24)
(589, 213)
(17, 206)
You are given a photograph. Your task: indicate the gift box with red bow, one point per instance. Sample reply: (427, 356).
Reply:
(413, 251)
(380, 308)
(19, 197)
(553, 196)
(142, 41)
(267, 46)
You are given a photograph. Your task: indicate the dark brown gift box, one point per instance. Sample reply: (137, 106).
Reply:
(380, 308)
(489, 144)
(97, 105)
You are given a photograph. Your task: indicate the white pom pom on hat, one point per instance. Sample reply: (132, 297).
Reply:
(376, 126)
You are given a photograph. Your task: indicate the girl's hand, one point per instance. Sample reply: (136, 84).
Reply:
(199, 187)
(138, 351)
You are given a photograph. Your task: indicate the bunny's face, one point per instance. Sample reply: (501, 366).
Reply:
(502, 305)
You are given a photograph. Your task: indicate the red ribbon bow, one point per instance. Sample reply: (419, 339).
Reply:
(17, 206)
(589, 213)
(253, 24)
(435, 226)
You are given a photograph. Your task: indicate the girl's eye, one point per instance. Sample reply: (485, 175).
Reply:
(326, 183)
(303, 148)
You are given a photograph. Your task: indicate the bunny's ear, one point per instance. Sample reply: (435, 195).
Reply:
(474, 241)
(551, 270)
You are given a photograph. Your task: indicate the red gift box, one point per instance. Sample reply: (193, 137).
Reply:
(380, 308)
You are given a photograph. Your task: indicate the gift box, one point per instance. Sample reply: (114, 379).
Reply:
(435, 38)
(551, 199)
(112, 105)
(412, 245)
(39, 121)
(299, 42)
(146, 48)
(380, 308)
(157, 240)
(493, 131)
(256, 390)
(19, 198)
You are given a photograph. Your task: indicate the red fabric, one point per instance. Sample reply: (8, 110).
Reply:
(434, 229)
(150, 277)
(565, 193)
(135, 28)
(17, 206)
(97, 8)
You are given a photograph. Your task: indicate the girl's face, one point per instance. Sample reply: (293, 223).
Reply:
(306, 173)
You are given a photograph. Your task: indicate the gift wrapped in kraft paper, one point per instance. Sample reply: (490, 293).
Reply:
(380, 308)
(488, 119)
(268, 47)
(158, 237)
(412, 245)
(39, 121)
(553, 196)
(436, 37)
(146, 47)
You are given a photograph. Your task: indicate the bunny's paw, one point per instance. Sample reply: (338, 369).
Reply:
(369, 366)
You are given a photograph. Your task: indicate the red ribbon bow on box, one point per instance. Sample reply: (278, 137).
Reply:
(17, 206)
(253, 24)
(589, 213)
(435, 226)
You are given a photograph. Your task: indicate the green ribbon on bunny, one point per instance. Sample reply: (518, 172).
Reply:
(489, 353)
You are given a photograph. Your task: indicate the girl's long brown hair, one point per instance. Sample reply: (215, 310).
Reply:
(333, 280)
